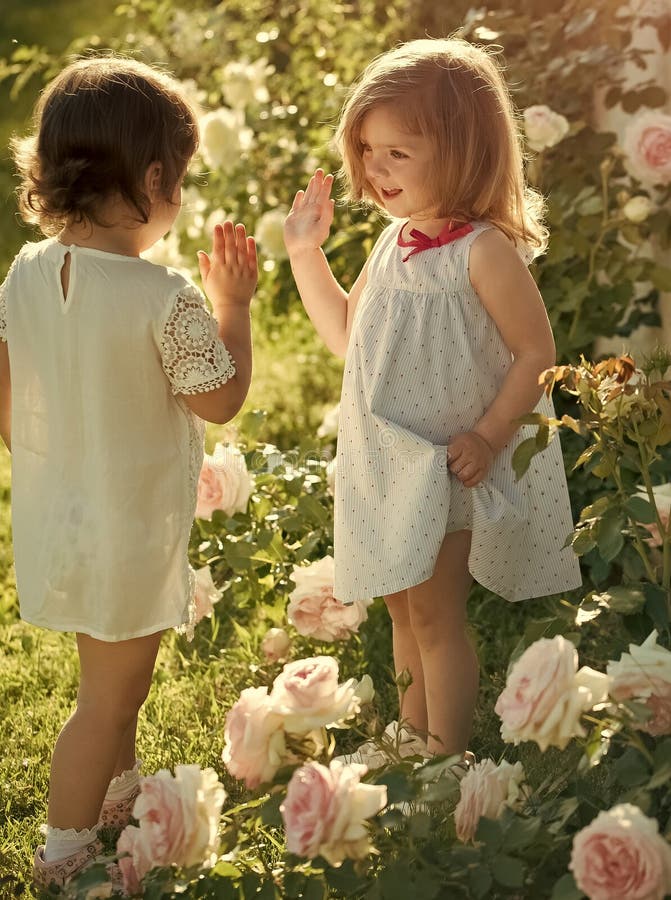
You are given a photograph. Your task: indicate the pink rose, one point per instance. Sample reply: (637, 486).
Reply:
(545, 695)
(178, 820)
(133, 862)
(314, 611)
(620, 855)
(275, 645)
(644, 674)
(307, 695)
(325, 810)
(486, 790)
(224, 483)
(206, 593)
(254, 747)
(647, 147)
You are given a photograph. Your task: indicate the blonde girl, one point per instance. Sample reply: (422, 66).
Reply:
(108, 364)
(444, 336)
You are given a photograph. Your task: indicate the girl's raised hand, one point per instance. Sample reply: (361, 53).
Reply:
(231, 271)
(309, 221)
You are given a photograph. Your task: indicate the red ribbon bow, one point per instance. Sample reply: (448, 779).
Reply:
(422, 241)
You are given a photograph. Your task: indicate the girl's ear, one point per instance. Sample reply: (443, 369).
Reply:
(152, 178)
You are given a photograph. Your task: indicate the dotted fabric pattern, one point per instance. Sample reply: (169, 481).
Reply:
(424, 362)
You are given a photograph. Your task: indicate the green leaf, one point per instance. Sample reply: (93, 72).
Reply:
(583, 541)
(609, 537)
(661, 277)
(521, 833)
(566, 889)
(480, 881)
(524, 453)
(641, 510)
(490, 833)
(625, 599)
(657, 605)
(508, 871)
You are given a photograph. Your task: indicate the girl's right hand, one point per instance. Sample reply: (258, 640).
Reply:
(309, 221)
(231, 271)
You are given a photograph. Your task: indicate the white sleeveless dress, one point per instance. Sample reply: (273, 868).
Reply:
(424, 362)
(105, 457)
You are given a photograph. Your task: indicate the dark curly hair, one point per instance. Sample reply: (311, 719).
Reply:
(98, 126)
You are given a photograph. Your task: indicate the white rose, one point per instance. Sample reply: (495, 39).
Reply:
(329, 425)
(331, 476)
(223, 136)
(244, 82)
(206, 594)
(486, 790)
(644, 674)
(255, 746)
(543, 127)
(638, 208)
(270, 232)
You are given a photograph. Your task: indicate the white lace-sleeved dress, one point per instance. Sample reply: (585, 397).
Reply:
(105, 457)
(424, 362)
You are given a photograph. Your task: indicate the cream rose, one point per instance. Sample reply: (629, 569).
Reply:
(314, 611)
(308, 696)
(270, 232)
(644, 674)
(223, 136)
(255, 746)
(620, 855)
(243, 82)
(275, 644)
(616, 402)
(224, 482)
(647, 147)
(545, 695)
(638, 208)
(543, 127)
(486, 790)
(330, 421)
(206, 593)
(325, 811)
(178, 821)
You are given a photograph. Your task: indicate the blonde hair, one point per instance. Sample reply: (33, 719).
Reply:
(453, 93)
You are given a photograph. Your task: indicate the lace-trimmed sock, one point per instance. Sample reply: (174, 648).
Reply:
(64, 842)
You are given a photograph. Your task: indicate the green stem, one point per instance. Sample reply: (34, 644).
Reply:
(638, 543)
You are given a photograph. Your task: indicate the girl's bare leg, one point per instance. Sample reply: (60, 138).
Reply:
(115, 681)
(437, 613)
(412, 702)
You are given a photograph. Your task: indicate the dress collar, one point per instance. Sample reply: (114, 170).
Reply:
(422, 241)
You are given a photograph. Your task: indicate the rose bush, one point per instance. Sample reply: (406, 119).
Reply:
(644, 674)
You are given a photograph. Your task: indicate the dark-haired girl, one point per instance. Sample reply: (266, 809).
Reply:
(114, 363)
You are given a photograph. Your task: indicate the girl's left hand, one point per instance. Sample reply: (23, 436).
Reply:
(470, 458)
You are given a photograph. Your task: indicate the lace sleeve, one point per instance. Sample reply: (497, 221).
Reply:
(195, 358)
